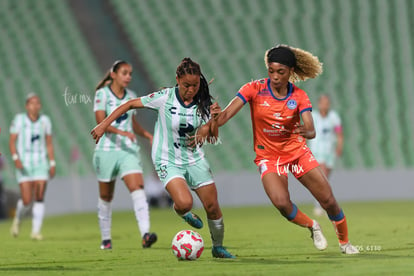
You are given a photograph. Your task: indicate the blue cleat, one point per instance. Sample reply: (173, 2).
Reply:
(221, 252)
(194, 220)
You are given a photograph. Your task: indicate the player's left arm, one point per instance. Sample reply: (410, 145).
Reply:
(307, 129)
(50, 155)
(138, 129)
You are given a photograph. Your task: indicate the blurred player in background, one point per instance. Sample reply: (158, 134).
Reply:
(31, 147)
(328, 143)
(3, 207)
(117, 153)
(181, 111)
(277, 106)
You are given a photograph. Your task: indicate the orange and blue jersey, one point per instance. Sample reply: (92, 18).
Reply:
(274, 119)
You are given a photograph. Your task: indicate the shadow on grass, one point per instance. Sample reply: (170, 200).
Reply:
(317, 258)
(50, 266)
(41, 268)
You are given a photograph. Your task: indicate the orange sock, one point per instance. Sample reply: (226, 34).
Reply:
(299, 218)
(341, 229)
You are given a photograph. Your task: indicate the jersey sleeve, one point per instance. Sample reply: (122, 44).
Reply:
(304, 103)
(100, 100)
(247, 91)
(15, 125)
(47, 125)
(155, 100)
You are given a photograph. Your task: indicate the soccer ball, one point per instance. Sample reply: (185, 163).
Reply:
(187, 245)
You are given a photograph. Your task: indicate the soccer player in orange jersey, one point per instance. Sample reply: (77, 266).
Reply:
(277, 107)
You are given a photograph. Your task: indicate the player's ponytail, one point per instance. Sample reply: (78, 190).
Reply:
(203, 97)
(107, 78)
(305, 64)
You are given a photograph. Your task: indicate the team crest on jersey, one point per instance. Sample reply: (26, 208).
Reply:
(292, 104)
(162, 172)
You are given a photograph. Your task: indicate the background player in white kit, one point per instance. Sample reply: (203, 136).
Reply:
(328, 143)
(117, 153)
(181, 111)
(31, 147)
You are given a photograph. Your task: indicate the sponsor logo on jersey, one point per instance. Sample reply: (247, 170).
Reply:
(35, 137)
(121, 118)
(265, 104)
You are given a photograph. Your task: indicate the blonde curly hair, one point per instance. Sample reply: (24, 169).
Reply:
(306, 65)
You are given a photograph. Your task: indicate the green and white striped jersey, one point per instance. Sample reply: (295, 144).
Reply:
(176, 121)
(31, 138)
(107, 101)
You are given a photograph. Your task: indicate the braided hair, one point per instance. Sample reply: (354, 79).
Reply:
(203, 98)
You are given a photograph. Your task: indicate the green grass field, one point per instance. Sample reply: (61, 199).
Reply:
(264, 242)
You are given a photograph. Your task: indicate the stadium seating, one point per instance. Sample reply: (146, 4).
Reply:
(367, 77)
(42, 51)
(365, 47)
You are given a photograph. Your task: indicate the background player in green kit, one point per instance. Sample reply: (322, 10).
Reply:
(31, 146)
(117, 153)
(182, 110)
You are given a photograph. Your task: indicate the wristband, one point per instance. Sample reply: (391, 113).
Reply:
(15, 157)
(52, 163)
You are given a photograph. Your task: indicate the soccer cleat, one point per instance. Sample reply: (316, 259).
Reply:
(221, 252)
(36, 236)
(106, 244)
(148, 239)
(14, 230)
(194, 220)
(348, 249)
(319, 240)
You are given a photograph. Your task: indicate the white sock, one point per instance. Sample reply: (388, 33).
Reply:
(216, 231)
(105, 218)
(141, 210)
(38, 213)
(21, 209)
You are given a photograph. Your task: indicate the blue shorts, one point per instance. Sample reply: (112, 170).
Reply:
(196, 176)
(109, 164)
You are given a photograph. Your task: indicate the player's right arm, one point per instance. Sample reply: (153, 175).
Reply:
(105, 123)
(231, 109)
(100, 116)
(13, 151)
(14, 133)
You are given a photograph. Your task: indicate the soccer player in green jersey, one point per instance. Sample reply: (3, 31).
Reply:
(117, 154)
(182, 110)
(31, 147)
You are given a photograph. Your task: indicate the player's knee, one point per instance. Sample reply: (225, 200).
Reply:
(212, 209)
(183, 206)
(328, 202)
